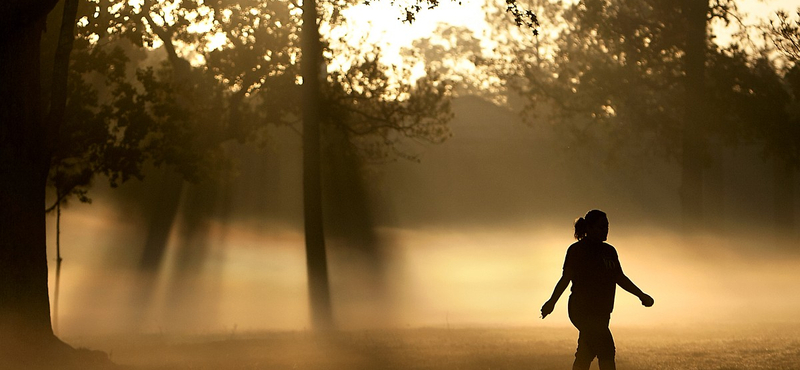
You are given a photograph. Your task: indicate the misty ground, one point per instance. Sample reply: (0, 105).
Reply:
(746, 347)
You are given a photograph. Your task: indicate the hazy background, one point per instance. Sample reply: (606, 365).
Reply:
(472, 235)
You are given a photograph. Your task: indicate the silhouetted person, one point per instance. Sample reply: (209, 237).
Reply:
(594, 270)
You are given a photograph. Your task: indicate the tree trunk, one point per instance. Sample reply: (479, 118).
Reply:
(693, 156)
(161, 210)
(24, 164)
(58, 90)
(350, 230)
(26, 335)
(316, 259)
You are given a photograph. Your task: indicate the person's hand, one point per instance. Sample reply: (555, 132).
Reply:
(647, 300)
(547, 308)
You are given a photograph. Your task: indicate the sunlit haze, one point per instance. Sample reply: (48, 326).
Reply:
(465, 242)
(416, 202)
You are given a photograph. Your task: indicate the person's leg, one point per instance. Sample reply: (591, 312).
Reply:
(607, 364)
(585, 352)
(595, 340)
(606, 351)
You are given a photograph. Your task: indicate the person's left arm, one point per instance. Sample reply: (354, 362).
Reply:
(625, 283)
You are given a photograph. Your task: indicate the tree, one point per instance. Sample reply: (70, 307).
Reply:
(693, 133)
(316, 257)
(35, 145)
(766, 101)
(23, 136)
(365, 111)
(631, 78)
(26, 141)
(259, 70)
(785, 35)
(786, 151)
(142, 116)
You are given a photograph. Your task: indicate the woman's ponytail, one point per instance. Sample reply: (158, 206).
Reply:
(580, 228)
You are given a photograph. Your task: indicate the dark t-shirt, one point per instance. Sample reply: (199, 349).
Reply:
(593, 267)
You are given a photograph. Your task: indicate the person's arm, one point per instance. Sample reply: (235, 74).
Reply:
(550, 305)
(625, 283)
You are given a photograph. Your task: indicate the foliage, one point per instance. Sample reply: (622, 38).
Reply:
(614, 79)
(231, 68)
(522, 17)
(785, 34)
(614, 82)
(378, 113)
(456, 53)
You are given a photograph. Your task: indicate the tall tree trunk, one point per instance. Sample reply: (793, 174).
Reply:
(693, 156)
(26, 334)
(316, 258)
(58, 90)
(350, 230)
(24, 164)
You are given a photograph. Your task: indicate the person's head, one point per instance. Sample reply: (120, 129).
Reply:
(593, 226)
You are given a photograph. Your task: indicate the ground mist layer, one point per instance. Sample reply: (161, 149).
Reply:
(771, 346)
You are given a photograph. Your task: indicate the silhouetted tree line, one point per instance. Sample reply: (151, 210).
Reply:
(645, 79)
(641, 80)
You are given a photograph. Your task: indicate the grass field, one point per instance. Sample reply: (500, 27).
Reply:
(756, 347)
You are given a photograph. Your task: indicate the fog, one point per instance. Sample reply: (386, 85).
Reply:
(269, 184)
(474, 235)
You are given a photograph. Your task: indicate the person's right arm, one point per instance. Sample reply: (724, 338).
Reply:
(561, 285)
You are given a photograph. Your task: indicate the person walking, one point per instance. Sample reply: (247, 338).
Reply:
(593, 267)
